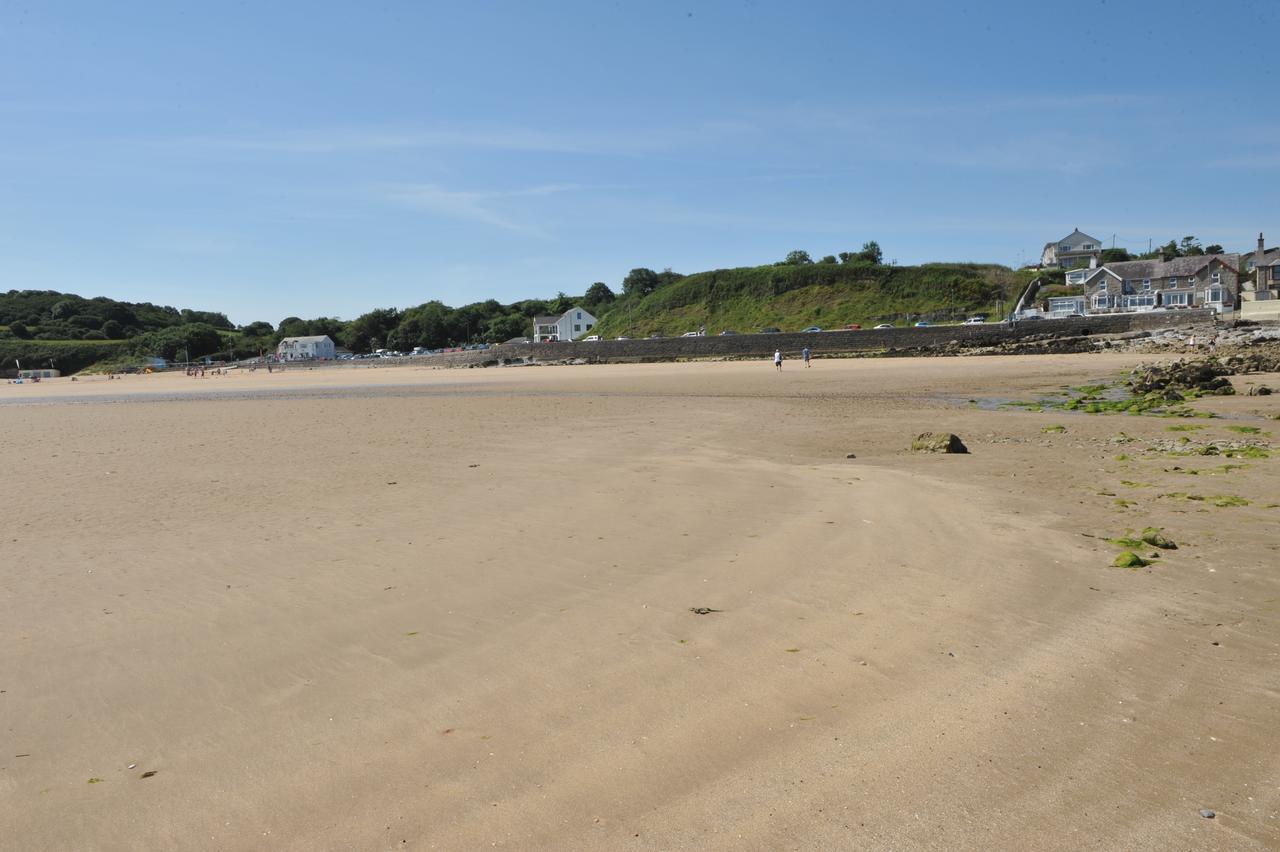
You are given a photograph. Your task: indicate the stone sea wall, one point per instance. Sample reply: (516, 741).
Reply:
(864, 341)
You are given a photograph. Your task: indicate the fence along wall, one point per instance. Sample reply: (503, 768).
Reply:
(826, 342)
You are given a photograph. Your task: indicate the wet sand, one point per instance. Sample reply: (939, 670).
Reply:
(410, 608)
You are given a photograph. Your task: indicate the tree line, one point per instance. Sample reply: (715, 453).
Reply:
(172, 333)
(1188, 246)
(50, 315)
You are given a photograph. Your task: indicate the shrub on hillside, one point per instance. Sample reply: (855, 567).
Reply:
(193, 340)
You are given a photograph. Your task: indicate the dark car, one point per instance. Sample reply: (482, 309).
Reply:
(727, 332)
(770, 330)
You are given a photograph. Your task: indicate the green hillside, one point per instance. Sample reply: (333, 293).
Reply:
(69, 356)
(48, 328)
(830, 295)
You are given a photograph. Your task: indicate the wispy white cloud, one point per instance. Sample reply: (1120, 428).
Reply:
(1260, 160)
(357, 140)
(190, 240)
(469, 205)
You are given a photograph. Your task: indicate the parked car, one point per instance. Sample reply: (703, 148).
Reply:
(622, 338)
(727, 332)
(591, 337)
(853, 326)
(691, 334)
(975, 320)
(885, 325)
(770, 330)
(811, 329)
(922, 324)
(655, 336)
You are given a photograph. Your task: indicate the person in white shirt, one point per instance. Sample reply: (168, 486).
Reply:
(777, 359)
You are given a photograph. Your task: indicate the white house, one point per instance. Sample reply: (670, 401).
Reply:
(570, 325)
(313, 348)
(1075, 249)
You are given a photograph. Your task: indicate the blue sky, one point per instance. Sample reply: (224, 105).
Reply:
(268, 159)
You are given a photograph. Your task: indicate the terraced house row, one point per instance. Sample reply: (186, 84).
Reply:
(1221, 282)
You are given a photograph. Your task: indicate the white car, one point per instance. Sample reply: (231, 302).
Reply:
(975, 321)
(591, 337)
(691, 334)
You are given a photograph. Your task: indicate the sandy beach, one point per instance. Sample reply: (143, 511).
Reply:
(407, 608)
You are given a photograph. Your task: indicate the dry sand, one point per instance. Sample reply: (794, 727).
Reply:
(406, 608)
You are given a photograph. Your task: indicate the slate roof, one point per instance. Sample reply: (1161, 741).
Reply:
(1178, 267)
(1077, 232)
(551, 320)
(311, 338)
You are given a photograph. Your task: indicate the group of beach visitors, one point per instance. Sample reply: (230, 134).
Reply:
(777, 358)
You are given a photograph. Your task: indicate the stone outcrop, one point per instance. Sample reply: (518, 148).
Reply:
(1201, 377)
(938, 442)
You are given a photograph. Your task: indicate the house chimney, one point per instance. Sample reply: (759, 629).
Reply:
(1259, 258)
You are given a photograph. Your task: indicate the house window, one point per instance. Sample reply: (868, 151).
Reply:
(1146, 284)
(1173, 283)
(1102, 287)
(577, 328)
(1145, 301)
(1216, 278)
(1182, 299)
(1214, 296)
(1101, 301)
(579, 316)
(1086, 246)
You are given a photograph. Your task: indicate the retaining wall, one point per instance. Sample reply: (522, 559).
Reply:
(825, 342)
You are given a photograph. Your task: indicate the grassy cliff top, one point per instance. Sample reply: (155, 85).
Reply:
(793, 297)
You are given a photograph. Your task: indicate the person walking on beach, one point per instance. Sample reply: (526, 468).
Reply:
(777, 359)
(805, 354)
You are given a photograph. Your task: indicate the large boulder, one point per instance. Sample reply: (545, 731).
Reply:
(938, 442)
(1199, 377)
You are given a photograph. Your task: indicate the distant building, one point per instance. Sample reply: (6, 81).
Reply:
(312, 348)
(1204, 281)
(1268, 256)
(1260, 298)
(41, 373)
(570, 325)
(1074, 250)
